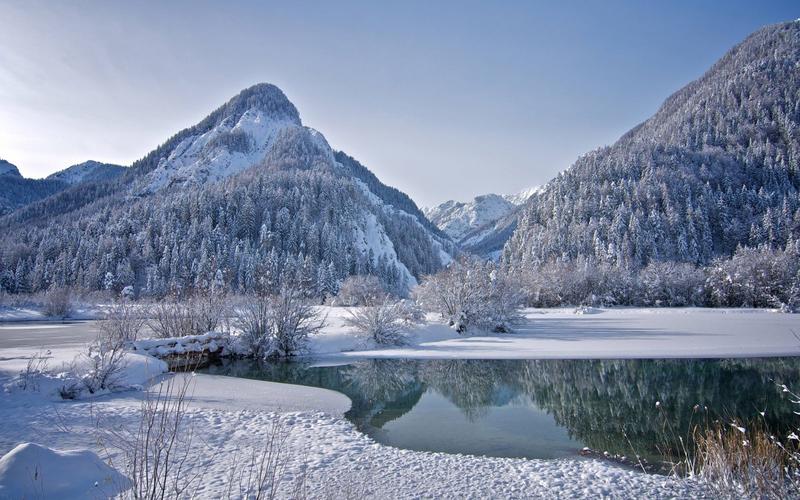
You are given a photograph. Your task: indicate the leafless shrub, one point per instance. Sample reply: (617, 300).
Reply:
(209, 311)
(57, 303)
(278, 325)
(122, 323)
(383, 323)
(36, 366)
(294, 320)
(194, 315)
(169, 319)
(254, 319)
(156, 451)
(360, 290)
(99, 369)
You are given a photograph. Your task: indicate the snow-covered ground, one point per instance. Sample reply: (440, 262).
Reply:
(228, 415)
(590, 334)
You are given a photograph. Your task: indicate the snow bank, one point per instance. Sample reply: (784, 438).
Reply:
(34, 471)
(139, 370)
(210, 342)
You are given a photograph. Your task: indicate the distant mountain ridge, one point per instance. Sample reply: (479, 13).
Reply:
(17, 191)
(88, 171)
(482, 225)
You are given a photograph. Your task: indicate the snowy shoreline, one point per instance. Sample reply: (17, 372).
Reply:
(233, 413)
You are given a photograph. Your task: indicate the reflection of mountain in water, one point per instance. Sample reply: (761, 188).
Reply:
(598, 402)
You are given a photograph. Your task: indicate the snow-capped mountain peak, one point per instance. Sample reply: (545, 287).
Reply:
(238, 135)
(458, 219)
(523, 196)
(258, 134)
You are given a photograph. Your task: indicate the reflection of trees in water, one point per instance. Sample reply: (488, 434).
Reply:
(381, 390)
(381, 379)
(594, 400)
(472, 385)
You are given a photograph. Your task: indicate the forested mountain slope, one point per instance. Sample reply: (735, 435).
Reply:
(714, 168)
(248, 199)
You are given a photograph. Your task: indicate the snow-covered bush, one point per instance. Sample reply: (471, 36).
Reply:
(757, 277)
(384, 323)
(57, 303)
(671, 284)
(360, 290)
(294, 319)
(471, 293)
(278, 325)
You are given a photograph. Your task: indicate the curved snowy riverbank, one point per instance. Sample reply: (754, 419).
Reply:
(229, 415)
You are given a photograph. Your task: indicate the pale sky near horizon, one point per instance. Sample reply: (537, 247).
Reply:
(443, 100)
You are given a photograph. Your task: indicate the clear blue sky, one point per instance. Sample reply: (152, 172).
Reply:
(442, 100)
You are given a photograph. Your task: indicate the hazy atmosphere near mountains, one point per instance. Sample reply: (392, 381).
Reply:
(499, 97)
(371, 250)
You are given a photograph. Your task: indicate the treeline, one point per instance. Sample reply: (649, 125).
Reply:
(752, 277)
